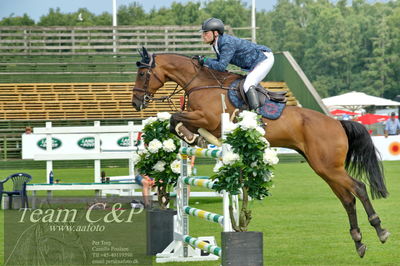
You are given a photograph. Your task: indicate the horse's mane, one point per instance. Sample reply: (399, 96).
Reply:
(173, 54)
(216, 73)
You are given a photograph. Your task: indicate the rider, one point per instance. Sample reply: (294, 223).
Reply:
(257, 59)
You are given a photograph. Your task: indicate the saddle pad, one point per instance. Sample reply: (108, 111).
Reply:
(270, 109)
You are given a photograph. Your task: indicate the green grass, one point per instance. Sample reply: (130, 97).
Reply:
(303, 222)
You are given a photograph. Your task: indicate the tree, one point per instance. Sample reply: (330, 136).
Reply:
(328, 48)
(231, 12)
(187, 14)
(104, 19)
(393, 53)
(56, 18)
(378, 68)
(25, 20)
(163, 16)
(133, 14)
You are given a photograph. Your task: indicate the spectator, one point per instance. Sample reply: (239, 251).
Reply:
(392, 125)
(147, 183)
(194, 170)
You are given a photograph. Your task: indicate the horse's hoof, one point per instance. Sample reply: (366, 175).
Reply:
(383, 236)
(201, 142)
(361, 250)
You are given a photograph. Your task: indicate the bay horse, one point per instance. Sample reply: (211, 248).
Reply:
(335, 150)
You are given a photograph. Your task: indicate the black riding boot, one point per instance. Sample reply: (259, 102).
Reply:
(252, 98)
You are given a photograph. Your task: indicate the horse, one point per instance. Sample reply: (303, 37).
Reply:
(340, 152)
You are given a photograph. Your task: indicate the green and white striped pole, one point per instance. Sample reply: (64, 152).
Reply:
(199, 182)
(209, 216)
(199, 152)
(194, 242)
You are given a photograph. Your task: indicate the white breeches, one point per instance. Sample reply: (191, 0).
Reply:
(259, 72)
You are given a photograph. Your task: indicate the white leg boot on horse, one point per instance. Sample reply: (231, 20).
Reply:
(189, 137)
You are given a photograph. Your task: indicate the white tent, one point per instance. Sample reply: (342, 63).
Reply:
(357, 100)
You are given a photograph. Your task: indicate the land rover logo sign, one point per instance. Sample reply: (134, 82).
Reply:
(56, 143)
(86, 143)
(123, 142)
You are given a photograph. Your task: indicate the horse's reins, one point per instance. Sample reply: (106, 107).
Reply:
(220, 86)
(176, 92)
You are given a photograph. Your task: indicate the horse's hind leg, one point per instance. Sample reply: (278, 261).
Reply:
(349, 204)
(329, 166)
(373, 218)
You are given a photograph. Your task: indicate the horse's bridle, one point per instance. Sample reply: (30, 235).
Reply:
(148, 96)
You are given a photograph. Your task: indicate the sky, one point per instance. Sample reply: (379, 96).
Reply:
(36, 8)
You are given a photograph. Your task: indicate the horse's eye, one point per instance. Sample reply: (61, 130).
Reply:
(141, 74)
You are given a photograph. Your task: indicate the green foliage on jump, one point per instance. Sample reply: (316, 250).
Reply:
(159, 159)
(246, 165)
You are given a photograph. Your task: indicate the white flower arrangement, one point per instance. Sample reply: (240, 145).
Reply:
(176, 166)
(163, 116)
(270, 156)
(169, 145)
(135, 158)
(248, 124)
(154, 146)
(144, 153)
(247, 163)
(261, 131)
(160, 152)
(230, 158)
(149, 120)
(159, 166)
(265, 141)
(217, 166)
(229, 127)
(248, 115)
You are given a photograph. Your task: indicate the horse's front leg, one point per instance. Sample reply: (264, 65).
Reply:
(185, 124)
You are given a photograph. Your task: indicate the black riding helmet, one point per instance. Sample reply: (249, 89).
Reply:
(213, 24)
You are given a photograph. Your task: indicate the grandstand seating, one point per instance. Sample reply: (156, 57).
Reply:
(60, 101)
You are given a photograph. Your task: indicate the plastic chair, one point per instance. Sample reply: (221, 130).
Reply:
(19, 188)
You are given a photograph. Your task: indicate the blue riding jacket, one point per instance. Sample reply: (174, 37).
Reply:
(239, 52)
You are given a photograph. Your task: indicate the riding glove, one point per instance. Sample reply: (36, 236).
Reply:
(200, 58)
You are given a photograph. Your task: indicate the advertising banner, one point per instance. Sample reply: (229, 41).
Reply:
(389, 148)
(35, 144)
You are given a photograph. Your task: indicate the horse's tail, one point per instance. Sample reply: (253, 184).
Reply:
(362, 161)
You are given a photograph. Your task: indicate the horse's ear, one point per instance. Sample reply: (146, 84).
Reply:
(147, 59)
(145, 54)
(140, 52)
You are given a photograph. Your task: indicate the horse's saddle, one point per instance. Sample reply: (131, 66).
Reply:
(272, 103)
